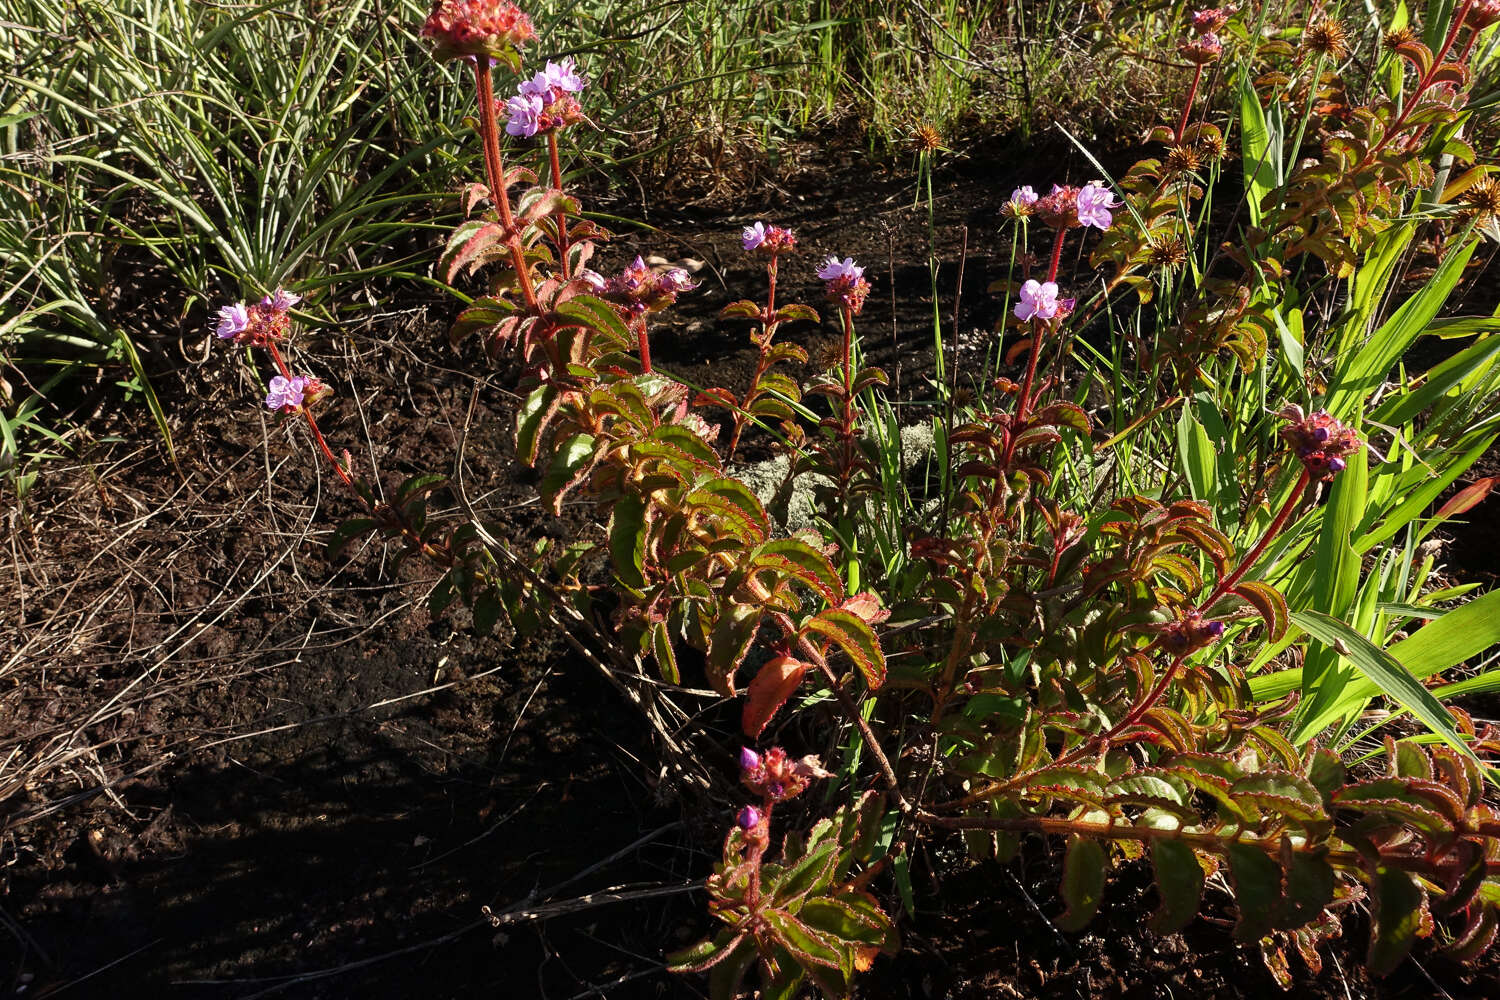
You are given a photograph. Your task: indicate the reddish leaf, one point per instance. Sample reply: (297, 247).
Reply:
(1467, 498)
(770, 689)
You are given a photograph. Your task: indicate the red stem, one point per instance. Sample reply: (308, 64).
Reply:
(312, 423)
(643, 344)
(495, 168)
(1187, 106)
(562, 214)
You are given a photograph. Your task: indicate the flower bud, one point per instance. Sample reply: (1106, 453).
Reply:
(749, 759)
(493, 28)
(748, 819)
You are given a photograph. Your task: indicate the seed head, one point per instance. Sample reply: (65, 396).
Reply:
(1211, 145)
(926, 139)
(1481, 202)
(1202, 50)
(1399, 36)
(1169, 253)
(1182, 160)
(1327, 38)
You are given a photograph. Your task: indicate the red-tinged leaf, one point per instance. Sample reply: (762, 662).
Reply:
(785, 352)
(1084, 870)
(734, 631)
(1476, 937)
(797, 559)
(1466, 499)
(536, 413)
(1288, 795)
(1068, 415)
(473, 195)
(1179, 881)
(627, 541)
(772, 686)
(706, 954)
(483, 314)
(570, 463)
(797, 312)
(743, 309)
(468, 244)
(808, 946)
(1399, 917)
(732, 500)
(855, 637)
(717, 396)
(867, 606)
(1269, 604)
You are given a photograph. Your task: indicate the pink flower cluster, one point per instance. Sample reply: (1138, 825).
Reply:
(461, 28)
(1205, 47)
(261, 324)
(1021, 200)
(1069, 207)
(1321, 443)
(638, 289)
(774, 776)
(288, 395)
(545, 102)
(846, 283)
(771, 240)
(1039, 301)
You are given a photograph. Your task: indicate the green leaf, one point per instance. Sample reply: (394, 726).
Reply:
(706, 953)
(1260, 158)
(666, 656)
(1386, 672)
(627, 541)
(1179, 880)
(1310, 884)
(808, 946)
(796, 558)
(569, 463)
(854, 636)
(487, 610)
(535, 414)
(1084, 870)
(1399, 917)
(351, 528)
(1257, 890)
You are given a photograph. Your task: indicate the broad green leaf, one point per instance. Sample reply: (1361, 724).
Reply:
(1257, 890)
(569, 463)
(1179, 880)
(1399, 918)
(627, 541)
(1084, 870)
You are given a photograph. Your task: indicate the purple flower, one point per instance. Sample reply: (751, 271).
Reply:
(835, 270)
(749, 759)
(753, 236)
(523, 115)
(593, 279)
(748, 819)
(233, 320)
(1094, 202)
(1023, 195)
(1038, 301)
(1213, 629)
(281, 300)
(675, 280)
(285, 393)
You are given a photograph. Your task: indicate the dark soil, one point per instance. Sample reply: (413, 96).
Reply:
(272, 799)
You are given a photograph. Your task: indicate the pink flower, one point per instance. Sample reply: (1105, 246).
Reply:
(846, 283)
(232, 320)
(562, 77)
(281, 300)
(1208, 21)
(1202, 50)
(753, 236)
(675, 280)
(1023, 195)
(593, 279)
(846, 270)
(1038, 300)
(770, 240)
(1094, 203)
(285, 393)
(523, 115)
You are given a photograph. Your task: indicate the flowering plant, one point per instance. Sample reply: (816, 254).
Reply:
(1088, 649)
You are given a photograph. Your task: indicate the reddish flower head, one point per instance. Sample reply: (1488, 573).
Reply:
(1206, 22)
(493, 28)
(1482, 14)
(261, 324)
(1322, 444)
(1201, 50)
(1191, 631)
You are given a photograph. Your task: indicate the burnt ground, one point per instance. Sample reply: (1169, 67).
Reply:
(257, 772)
